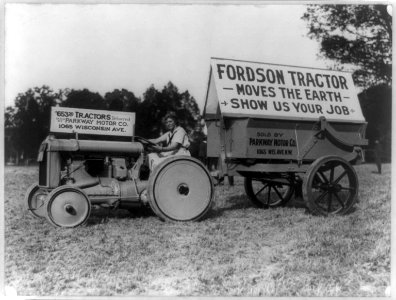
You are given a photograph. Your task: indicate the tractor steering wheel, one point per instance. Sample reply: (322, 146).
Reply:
(145, 142)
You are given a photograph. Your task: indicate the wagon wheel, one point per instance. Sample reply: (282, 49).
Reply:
(265, 193)
(330, 186)
(68, 207)
(180, 189)
(35, 200)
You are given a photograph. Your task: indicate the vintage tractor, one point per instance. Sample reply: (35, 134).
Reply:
(75, 174)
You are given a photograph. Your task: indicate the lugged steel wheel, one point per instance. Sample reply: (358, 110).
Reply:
(180, 189)
(35, 200)
(267, 192)
(68, 207)
(330, 186)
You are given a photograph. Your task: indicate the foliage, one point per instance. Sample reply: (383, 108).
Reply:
(31, 119)
(155, 106)
(360, 35)
(238, 250)
(121, 100)
(376, 104)
(84, 99)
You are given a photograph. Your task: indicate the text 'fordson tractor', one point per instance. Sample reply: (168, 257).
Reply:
(288, 130)
(75, 174)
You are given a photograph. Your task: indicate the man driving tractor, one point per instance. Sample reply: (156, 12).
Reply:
(175, 139)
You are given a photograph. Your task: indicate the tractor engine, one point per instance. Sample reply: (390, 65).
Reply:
(107, 171)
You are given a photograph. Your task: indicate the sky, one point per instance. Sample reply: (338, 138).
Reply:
(103, 47)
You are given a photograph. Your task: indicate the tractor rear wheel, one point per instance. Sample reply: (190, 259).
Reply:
(180, 189)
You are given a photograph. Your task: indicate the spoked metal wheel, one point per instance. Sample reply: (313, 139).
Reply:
(35, 200)
(68, 207)
(268, 192)
(330, 186)
(180, 189)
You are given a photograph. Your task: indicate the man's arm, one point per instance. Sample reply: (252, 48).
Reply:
(162, 138)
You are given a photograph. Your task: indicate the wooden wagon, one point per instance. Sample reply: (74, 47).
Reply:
(287, 130)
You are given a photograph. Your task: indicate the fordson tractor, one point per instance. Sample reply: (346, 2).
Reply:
(75, 174)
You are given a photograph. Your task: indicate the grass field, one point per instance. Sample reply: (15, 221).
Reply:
(237, 250)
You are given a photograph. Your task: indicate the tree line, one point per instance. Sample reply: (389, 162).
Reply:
(360, 37)
(28, 122)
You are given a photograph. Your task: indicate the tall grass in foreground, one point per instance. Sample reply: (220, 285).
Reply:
(237, 251)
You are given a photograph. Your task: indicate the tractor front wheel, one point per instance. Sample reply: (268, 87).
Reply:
(68, 207)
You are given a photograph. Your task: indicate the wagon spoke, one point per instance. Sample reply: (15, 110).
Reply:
(332, 174)
(330, 198)
(339, 200)
(322, 177)
(321, 196)
(278, 193)
(340, 177)
(269, 194)
(351, 189)
(261, 189)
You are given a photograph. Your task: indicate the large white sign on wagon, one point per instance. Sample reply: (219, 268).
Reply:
(89, 121)
(276, 91)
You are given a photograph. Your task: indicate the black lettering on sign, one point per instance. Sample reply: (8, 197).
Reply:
(241, 73)
(261, 151)
(263, 134)
(220, 70)
(65, 114)
(304, 108)
(248, 104)
(257, 90)
(235, 103)
(281, 143)
(261, 76)
(249, 74)
(281, 106)
(260, 142)
(338, 110)
(319, 80)
(290, 93)
(244, 73)
(284, 152)
(271, 90)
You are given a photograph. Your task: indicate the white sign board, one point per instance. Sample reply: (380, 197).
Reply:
(286, 92)
(89, 121)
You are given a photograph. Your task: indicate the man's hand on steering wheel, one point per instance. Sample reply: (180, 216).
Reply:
(148, 144)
